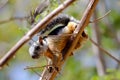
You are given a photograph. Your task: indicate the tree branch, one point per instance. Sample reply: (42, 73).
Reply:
(117, 60)
(100, 62)
(13, 18)
(46, 75)
(96, 20)
(3, 4)
(33, 31)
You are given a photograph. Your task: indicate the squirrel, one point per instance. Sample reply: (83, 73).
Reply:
(54, 37)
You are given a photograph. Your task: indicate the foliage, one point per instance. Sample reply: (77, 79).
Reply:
(112, 75)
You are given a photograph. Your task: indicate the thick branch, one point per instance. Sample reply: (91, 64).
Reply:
(83, 23)
(36, 29)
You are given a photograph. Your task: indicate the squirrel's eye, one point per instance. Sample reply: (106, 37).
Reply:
(76, 26)
(37, 47)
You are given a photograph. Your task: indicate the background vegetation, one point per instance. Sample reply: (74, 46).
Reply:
(81, 66)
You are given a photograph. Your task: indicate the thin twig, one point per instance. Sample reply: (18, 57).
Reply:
(33, 67)
(13, 18)
(3, 4)
(96, 20)
(104, 51)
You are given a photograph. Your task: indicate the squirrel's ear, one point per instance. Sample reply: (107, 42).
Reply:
(40, 40)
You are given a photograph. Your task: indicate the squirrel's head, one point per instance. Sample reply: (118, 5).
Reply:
(37, 49)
